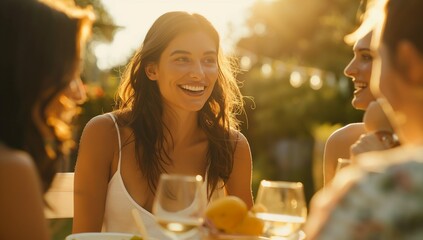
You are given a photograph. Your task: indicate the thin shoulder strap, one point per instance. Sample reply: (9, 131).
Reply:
(119, 141)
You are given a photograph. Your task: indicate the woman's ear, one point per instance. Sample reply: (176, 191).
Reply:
(410, 62)
(151, 71)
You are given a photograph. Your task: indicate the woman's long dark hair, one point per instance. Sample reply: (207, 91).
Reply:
(40, 53)
(141, 98)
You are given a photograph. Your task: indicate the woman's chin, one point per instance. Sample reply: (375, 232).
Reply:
(360, 103)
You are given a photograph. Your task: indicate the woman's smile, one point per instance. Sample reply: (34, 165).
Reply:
(359, 87)
(193, 90)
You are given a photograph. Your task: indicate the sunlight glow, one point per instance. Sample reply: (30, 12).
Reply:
(316, 82)
(295, 79)
(266, 70)
(245, 63)
(260, 29)
(136, 17)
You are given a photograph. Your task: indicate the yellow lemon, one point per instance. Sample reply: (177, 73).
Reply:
(258, 208)
(226, 212)
(250, 225)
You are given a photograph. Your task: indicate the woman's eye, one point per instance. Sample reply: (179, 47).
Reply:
(182, 59)
(210, 60)
(367, 57)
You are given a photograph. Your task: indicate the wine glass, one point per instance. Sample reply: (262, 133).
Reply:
(179, 204)
(281, 205)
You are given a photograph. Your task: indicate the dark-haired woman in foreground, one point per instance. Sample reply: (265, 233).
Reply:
(40, 62)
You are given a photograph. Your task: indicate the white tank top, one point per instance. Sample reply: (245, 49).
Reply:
(119, 204)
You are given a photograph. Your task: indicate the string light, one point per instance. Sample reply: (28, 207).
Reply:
(297, 74)
(316, 82)
(266, 70)
(245, 63)
(295, 79)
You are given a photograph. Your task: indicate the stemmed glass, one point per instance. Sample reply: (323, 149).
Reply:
(281, 205)
(179, 204)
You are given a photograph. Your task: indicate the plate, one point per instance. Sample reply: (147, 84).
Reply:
(236, 237)
(102, 236)
(299, 236)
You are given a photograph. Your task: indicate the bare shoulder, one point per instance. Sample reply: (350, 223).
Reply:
(339, 143)
(100, 122)
(21, 197)
(240, 140)
(349, 133)
(17, 167)
(100, 128)
(97, 147)
(239, 183)
(15, 161)
(242, 151)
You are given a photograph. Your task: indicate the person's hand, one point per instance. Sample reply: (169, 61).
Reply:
(374, 141)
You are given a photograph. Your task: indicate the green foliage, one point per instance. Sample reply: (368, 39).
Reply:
(103, 28)
(305, 33)
(284, 111)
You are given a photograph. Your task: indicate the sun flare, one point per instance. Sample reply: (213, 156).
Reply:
(136, 16)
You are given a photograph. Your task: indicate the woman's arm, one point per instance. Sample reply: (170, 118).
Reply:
(92, 173)
(21, 204)
(239, 183)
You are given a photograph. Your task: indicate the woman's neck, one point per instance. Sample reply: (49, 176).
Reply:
(183, 126)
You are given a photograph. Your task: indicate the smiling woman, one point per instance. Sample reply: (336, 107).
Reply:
(190, 67)
(178, 102)
(136, 15)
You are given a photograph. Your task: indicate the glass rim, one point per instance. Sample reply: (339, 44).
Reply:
(274, 183)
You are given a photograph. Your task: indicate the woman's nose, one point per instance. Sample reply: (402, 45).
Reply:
(350, 70)
(197, 71)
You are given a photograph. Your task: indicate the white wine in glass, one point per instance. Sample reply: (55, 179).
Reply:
(179, 204)
(281, 205)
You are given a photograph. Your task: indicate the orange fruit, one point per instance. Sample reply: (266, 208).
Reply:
(258, 208)
(250, 225)
(227, 212)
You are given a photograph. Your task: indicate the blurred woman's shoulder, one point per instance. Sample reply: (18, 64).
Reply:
(21, 196)
(16, 159)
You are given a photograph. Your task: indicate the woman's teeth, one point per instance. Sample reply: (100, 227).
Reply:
(193, 88)
(360, 85)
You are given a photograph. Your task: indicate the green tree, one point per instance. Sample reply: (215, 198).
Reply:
(289, 35)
